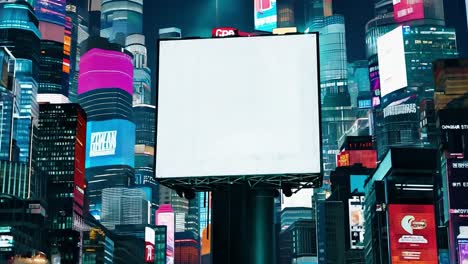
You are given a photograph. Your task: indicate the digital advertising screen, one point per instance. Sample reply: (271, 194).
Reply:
(392, 62)
(407, 10)
(110, 142)
(241, 110)
(101, 69)
(265, 15)
(150, 236)
(412, 234)
(374, 79)
(356, 222)
(165, 217)
(457, 171)
(52, 11)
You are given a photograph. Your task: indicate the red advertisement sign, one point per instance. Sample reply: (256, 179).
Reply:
(224, 32)
(149, 252)
(368, 158)
(406, 10)
(412, 234)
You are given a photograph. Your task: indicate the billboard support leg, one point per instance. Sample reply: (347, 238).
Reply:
(243, 228)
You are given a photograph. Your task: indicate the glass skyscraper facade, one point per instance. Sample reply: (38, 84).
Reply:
(61, 158)
(121, 18)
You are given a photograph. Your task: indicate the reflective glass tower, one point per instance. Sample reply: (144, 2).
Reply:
(121, 18)
(19, 32)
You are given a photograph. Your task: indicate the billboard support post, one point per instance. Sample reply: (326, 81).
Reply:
(242, 225)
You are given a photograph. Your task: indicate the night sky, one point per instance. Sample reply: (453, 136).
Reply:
(197, 17)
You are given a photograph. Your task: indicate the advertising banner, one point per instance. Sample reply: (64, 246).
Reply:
(457, 171)
(52, 11)
(149, 244)
(356, 222)
(265, 15)
(412, 234)
(110, 142)
(406, 10)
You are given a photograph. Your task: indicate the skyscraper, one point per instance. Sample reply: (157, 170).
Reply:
(105, 92)
(145, 118)
(22, 38)
(8, 104)
(55, 51)
(121, 18)
(61, 157)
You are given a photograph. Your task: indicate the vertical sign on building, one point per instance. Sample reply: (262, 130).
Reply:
(356, 222)
(412, 234)
(149, 244)
(165, 217)
(265, 15)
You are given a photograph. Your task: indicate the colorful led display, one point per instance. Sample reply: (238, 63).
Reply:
(356, 222)
(407, 10)
(110, 142)
(265, 15)
(52, 11)
(165, 217)
(100, 69)
(368, 158)
(458, 204)
(412, 234)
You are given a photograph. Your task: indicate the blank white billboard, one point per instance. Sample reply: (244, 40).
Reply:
(392, 62)
(238, 106)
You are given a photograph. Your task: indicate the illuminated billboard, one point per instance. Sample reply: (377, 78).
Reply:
(150, 236)
(407, 10)
(457, 170)
(392, 62)
(412, 234)
(265, 15)
(374, 79)
(367, 158)
(356, 222)
(100, 69)
(165, 217)
(52, 11)
(110, 142)
(240, 110)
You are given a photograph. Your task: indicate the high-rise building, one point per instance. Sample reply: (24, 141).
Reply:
(193, 217)
(298, 243)
(8, 105)
(121, 18)
(145, 118)
(61, 158)
(405, 57)
(76, 31)
(289, 215)
(105, 92)
(124, 206)
(450, 107)
(22, 38)
(55, 50)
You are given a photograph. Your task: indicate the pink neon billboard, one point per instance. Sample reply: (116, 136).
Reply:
(406, 10)
(165, 217)
(102, 69)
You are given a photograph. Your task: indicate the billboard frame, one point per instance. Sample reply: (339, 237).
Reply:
(268, 181)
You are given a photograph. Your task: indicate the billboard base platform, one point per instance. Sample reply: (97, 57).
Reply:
(273, 182)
